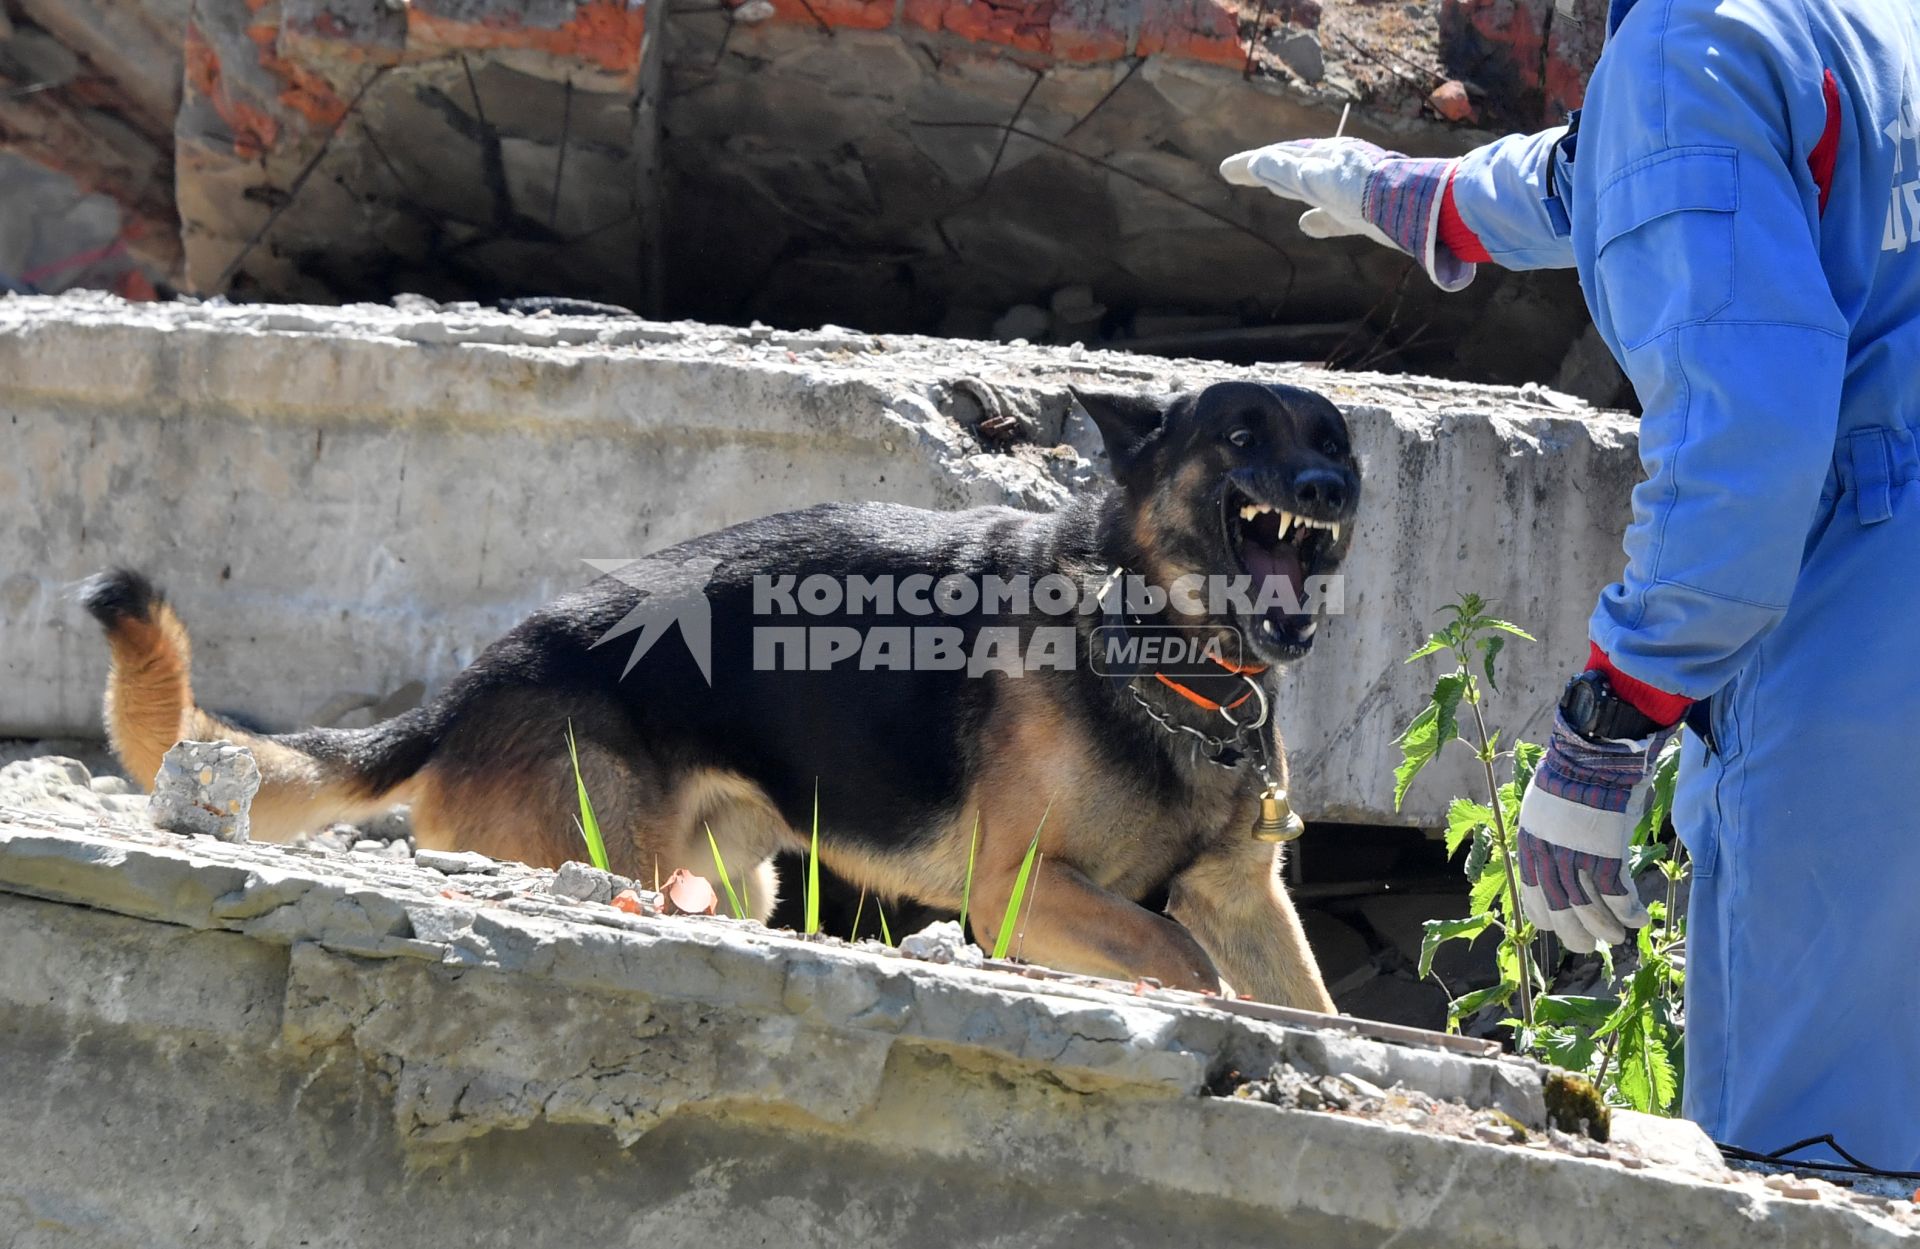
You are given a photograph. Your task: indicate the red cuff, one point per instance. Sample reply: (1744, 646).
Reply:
(1455, 235)
(1657, 705)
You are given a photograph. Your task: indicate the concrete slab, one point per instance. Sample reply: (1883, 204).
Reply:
(241, 1044)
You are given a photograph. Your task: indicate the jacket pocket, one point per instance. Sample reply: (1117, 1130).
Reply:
(1696, 805)
(1663, 238)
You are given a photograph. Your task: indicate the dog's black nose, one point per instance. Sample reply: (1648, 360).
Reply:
(1321, 488)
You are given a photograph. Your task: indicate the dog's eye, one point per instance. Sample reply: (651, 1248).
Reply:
(1240, 437)
(1332, 448)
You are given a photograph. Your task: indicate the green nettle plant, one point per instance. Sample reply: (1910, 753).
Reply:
(1627, 1041)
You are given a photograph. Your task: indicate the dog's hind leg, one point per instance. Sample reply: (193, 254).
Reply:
(745, 827)
(1232, 900)
(502, 783)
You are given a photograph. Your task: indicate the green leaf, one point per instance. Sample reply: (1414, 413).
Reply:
(1003, 940)
(813, 869)
(1418, 745)
(966, 894)
(1440, 931)
(1642, 857)
(1433, 645)
(1506, 626)
(1489, 888)
(1646, 1070)
(1435, 726)
(1569, 1008)
(1666, 771)
(1464, 818)
(1568, 1048)
(1490, 650)
(589, 825)
(1465, 1005)
(1468, 607)
(1447, 692)
(720, 865)
(1482, 852)
(1506, 959)
(1526, 757)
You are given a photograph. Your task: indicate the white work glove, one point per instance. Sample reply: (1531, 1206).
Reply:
(1576, 826)
(1358, 188)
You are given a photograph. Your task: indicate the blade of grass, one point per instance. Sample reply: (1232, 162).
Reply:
(1003, 940)
(966, 894)
(813, 868)
(720, 865)
(886, 934)
(589, 826)
(853, 933)
(1033, 900)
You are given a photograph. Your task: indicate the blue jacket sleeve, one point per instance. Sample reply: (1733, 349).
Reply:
(1500, 192)
(1696, 230)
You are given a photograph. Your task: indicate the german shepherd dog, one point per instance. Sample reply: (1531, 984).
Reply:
(906, 769)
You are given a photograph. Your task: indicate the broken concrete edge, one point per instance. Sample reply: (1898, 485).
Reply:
(379, 909)
(452, 1009)
(936, 383)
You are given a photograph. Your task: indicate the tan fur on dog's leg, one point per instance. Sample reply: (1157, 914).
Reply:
(1233, 901)
(1075, 925)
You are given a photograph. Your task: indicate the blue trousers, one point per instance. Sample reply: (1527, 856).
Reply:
(1803, 962)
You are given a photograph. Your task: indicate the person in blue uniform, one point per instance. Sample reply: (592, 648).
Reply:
(1741, 197)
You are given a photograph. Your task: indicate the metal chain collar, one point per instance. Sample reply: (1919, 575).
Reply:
(1226, 752)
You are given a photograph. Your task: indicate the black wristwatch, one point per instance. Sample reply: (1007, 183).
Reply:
(1595, 712)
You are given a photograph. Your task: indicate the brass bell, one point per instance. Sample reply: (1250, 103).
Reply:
(1276, 821)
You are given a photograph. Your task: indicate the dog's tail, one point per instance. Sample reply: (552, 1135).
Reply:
(307, 780)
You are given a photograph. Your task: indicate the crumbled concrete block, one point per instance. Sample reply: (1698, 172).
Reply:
(943, 942)
(205, 789)
(457, 862)
(585, 883)
(1678, 1143)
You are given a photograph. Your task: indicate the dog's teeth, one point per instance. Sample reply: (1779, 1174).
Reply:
(1336, 532)
(1249, 512)
(1286, 522)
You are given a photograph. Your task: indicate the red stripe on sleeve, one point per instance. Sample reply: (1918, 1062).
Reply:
(1455, 235)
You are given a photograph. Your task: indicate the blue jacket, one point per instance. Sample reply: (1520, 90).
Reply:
(1743, 318)
(1743, 203)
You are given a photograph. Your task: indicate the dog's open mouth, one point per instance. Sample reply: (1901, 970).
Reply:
(1271, 543)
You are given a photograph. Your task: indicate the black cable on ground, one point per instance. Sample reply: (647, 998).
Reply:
(1779, 1158)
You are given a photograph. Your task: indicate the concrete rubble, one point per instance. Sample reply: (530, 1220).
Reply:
(205, 789)
(929, 165)
(238, 1044)
(439, 472)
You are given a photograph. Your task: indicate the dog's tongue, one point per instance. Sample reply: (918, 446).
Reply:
(1276, 561)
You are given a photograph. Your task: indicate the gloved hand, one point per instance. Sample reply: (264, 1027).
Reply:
(1356, 187)
(1576, 824)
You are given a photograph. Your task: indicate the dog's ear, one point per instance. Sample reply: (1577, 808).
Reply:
(1126, 422)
